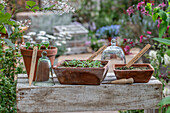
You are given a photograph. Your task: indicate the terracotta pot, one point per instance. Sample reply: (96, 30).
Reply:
(109, 39)
(139, 76)
(81, 76)
(27, 56)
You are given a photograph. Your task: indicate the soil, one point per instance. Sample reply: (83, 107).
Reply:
(132, 68)
(83, 64)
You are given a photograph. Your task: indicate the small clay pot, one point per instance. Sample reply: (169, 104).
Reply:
(139, 76)
(27, 56)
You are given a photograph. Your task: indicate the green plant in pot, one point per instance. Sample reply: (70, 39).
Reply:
(81, 72)
(27, 51)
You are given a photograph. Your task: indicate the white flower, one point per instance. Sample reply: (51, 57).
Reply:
(3, 2)
(31, 33)
(58, 44)
(42, 38)
(41, 33)
(26, 36)
(64, 42)
(50, 36)
(22, 23)
(167, 59)
(59, 7)
(152, 54)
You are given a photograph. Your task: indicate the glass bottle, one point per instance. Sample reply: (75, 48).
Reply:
(44, 70)
(111, 53)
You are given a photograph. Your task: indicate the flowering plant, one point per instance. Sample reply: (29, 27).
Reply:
(159, 14)
(108, 31)
(126, 44)
(56, 6)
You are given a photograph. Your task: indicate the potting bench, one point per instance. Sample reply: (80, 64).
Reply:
(104, 97)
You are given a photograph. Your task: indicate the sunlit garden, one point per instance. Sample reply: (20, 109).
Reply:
(85, 56)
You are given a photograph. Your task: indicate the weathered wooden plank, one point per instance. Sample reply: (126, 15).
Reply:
(151, 111)
(104, 97)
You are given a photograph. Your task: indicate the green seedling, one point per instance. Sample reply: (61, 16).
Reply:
(46, 44)
(39, 46)
(85, 64)
(27, 45)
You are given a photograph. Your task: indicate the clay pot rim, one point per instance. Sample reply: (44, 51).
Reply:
(52, 48)
(82, 68)
(144, 64)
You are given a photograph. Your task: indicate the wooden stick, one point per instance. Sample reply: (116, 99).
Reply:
(97, 53)
(33, 62)
(121, 81)
(138, 55)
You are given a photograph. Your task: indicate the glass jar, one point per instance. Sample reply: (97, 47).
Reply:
(111, 53)
(44, 71)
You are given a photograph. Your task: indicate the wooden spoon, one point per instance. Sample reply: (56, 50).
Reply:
(97, 53)
(138, 55)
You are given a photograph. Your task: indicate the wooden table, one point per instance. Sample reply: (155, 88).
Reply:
(104, 97)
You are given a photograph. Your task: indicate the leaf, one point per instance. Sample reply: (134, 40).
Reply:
(163, 41)
(50, 7)
(162, 28)
(156, 10)
(9, 30)
(168, 110)
(168, 8)
(27, 7)
(148, 8)
(4, 18)
(36, 7)
(31, 3)
(9, 43)
(155, 16)
(163, 15)
(1, 6)
(33, 10)
(3, 30)
(168, 52)
(165, 101)
(11, 23)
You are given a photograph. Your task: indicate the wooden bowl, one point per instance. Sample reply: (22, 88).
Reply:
(80, 76)
(139, 76)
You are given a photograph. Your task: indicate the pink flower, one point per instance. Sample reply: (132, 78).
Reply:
(153, 4)
(149, 32)
(128, 48)
(159, 22)
(130, 10)
(143, 11)
(87, 42)
(140, 4)
(169, 72)
(168, 27)
(141, 38)
(162, 5)
(125, 49)
(125, 40)
(131, 42)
